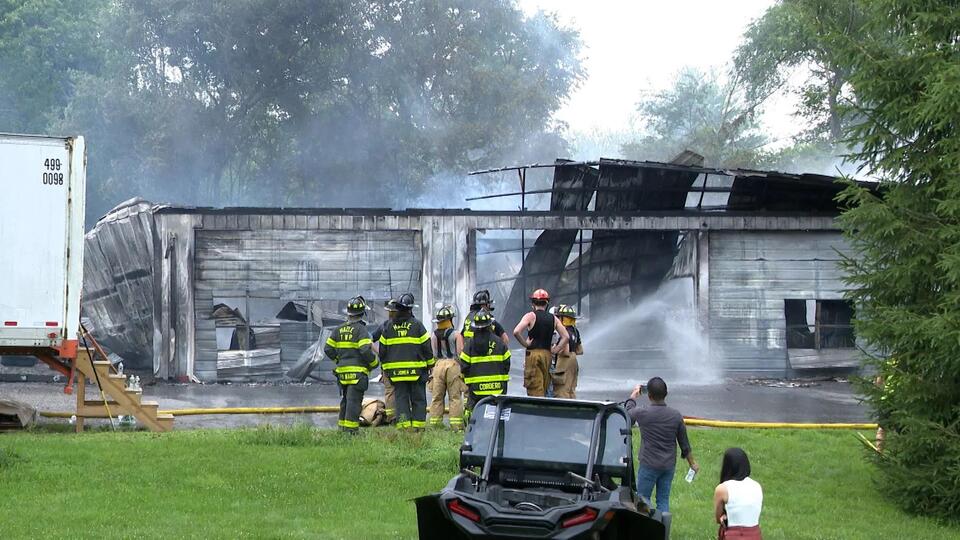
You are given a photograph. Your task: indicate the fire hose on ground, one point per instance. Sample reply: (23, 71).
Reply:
(315, 409)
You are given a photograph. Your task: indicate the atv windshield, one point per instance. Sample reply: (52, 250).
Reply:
(549, 437)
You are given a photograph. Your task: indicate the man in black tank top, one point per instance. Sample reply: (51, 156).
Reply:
(539, 325)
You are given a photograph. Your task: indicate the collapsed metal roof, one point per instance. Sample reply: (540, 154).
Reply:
(619, 267)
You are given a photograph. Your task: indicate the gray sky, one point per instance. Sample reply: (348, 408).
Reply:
(637, 47)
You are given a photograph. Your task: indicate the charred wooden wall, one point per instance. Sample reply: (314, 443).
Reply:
(192, 256)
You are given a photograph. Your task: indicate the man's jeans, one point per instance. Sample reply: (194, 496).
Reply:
(648, 477)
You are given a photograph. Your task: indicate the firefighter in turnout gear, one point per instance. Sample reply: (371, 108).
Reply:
(539, 326)
(349, 347)
(566, 368)
(481, 300)
(485, 362)
(405, 357)
(390, 403)
(446, 378)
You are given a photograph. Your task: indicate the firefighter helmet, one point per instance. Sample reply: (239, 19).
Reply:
(540, 295)
(567, 311)
(390, 305)
(482, 297)
(482, 319)
(356, 306)
(445, 313)
(406, 301)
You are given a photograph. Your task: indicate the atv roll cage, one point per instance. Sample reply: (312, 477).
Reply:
(561, 443)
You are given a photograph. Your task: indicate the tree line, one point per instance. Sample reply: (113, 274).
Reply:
(284, 102)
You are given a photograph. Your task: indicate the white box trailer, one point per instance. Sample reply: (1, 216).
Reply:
(42, 182)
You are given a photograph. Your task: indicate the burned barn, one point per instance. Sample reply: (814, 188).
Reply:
(215, 294)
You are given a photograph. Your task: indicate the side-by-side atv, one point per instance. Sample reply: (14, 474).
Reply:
(543, 468)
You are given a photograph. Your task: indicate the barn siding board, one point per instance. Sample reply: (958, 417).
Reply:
(751, 273)
(205, 337)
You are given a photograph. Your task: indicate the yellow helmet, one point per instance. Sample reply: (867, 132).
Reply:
(445, 313)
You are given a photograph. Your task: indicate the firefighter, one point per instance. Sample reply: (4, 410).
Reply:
(349, 347)
(446, 373)
(484, 362)
(481, 300)
(390, 403)
(566, 368)
(405, 357)
(539, 326)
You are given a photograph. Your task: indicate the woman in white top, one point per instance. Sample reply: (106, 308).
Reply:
(738, 499)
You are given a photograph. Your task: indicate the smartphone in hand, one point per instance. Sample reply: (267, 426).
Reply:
(691, 474)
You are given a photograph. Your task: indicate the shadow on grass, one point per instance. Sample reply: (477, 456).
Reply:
(9, 458)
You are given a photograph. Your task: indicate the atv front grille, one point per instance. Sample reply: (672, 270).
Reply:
(527, 529)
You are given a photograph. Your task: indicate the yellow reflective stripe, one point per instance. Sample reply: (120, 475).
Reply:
(375, 363)
(349, 382)
(489, 392)
(348, 344)
(405, 364)
(351, 369)
(405, 340)
(403, 424)
(480, 359)
(486, 378)
(348, 424)
(418, 423)
(405, 378)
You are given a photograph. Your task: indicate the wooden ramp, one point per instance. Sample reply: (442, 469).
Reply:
(120, 400)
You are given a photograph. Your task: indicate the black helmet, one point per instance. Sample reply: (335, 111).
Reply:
(445, 313)
(356, 306)
(406, 301)
(390, 305)
(481, 297)
(483, 319)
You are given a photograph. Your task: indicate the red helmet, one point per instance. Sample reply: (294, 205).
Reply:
(540, 294)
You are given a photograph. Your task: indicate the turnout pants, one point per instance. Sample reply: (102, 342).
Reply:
(446, 381)
(411, 399)
(536, 371)
(565, 376)
(473, 398)
(389, 401)
(351, 401)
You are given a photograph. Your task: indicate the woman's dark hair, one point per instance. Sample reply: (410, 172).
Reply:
(736, 465)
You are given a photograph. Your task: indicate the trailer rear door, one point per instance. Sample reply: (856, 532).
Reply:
(41, 239)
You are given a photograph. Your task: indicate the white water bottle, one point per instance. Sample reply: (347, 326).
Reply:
(691, 474)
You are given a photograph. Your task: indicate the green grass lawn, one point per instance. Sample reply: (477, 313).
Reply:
(299, 482)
